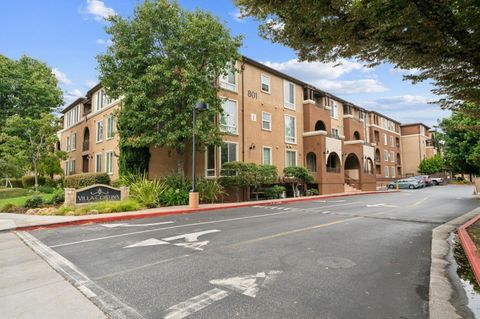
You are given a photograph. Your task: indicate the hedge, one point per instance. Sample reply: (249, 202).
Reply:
(86, 179)
(29, 181)
(16, 182)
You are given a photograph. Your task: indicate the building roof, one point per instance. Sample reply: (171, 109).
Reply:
(388, 118)
(415, 124)
(74, 103)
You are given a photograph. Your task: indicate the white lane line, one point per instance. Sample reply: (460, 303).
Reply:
(192, 237)
(195, 304)
(107, 302)
(134, 225)
(148, 242)
(195, 224)
(420, 201)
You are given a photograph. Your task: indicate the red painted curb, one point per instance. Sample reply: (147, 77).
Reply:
(469, 247)
(189, 211)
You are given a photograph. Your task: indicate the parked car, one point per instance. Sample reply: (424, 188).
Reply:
(437, 180)
(410, 183)
(424, 179)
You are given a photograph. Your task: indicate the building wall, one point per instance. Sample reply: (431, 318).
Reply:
(414, 147)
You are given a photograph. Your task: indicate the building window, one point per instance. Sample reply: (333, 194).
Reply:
(110, 126)
(109, 162)
(72, 167)
(210, 161)
(385, 156)
(267, 155)
(386, 171)
(67, 142)
(290, 136)
(333, 108)
(289, 95)
(98, 163)
(228, 152)
(266, 121)
(312, 162)
(102, 100)
(265, 83)
(67, 167)
(73, 142)
(393, 171)
(392, 143)
(99, 131)
(385, 140)
(392, 156)
(335, 133)
(228, 81)
(333, 163)
(228, 120)
(290, 158)
(72, 117)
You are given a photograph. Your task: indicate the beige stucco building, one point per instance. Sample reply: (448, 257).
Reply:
(417, 145)
(268, 118)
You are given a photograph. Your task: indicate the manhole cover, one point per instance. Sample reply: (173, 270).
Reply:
(336, 262)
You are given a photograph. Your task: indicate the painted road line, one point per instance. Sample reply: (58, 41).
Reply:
(295, 231)
(107, 302)
(380, 205)
(191, 240)
(148, 242)
(191, 237)
(195, 304)
(134, 225)
(192, 224)
(420, 201)
(247, 285)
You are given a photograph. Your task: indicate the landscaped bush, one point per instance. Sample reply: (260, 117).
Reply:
(86, 179)
(146, 192)
(174, 197)
(312, 192)
(57, 198)
(52, 182)
(177, 181)
(47, 189)
(8, 207)
(13, 192)
(274, 192)
(16, 182)
(33, 202)
(29, 181)
(210, 190)
(101, 208)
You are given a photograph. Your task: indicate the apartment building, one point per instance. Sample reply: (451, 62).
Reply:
(416, 140)
(268, 118)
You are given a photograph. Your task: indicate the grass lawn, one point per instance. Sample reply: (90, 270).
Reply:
(20, 200)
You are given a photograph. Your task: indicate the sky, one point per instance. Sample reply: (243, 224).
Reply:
(69, 34)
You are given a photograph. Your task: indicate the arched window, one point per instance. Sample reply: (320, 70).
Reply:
(398, 159)
(377, 155)
(320, 126)
(369, 166)
(333, 163)
(356, 135)
(312, 162)
(86, 139)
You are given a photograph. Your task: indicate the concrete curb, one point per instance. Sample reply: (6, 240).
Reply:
(469, 247)
(441, 289)
(106, 219)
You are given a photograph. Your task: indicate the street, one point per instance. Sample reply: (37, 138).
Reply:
(365, 256)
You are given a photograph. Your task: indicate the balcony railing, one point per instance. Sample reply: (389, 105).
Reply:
(333, 169)
(85, 146)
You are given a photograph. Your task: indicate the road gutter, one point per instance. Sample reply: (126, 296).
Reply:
(441, 288)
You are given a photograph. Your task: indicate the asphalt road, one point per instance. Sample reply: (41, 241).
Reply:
(362, 256)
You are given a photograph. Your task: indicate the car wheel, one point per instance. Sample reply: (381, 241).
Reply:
(411, 187)
(435, 183)
(391, 186)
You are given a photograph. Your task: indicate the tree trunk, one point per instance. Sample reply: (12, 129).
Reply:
(35, 174)
(180, 161)
(293, 190)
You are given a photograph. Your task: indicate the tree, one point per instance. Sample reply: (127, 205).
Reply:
(296, 176)
(35, 136)
(164, 60)
(437, 38)
(13, 160)
(238, 175)
(431, 165)
(28, 88)
(462, 143)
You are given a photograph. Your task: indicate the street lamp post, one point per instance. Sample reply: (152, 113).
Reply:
(193, 195)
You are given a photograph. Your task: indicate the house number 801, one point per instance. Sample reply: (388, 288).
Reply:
(252, 94)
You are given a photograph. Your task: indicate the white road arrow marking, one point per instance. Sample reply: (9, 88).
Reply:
(134, 225)
(247, 285)
(148, 242)
(192, 237)
(195, 304)
(381, 205)
(194, 245)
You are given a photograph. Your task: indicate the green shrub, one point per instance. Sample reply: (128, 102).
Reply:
(47, 189)
(33, 202)
(57, 198)
(29, 181)
(174, 197)
(102, 208)
(274, 192)
(147, 192)
(177, 181)
(8, 207)
(51, 182)
(86, 179)
(312, 192)
(210, 190)
(16, 182)
(14, 192)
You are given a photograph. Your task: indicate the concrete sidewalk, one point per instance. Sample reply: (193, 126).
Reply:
(10, 222)
(30, 288)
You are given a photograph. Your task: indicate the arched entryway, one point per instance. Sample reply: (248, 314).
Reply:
(311, 162)
(333, 163)
(320, 126)
(368, 166)
(352, 170)
(377, 155)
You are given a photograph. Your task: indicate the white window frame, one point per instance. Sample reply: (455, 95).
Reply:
(286, 103)
(67, 168)
(392, 156)
(224, 128)
(73, 142)
(333, 108)
(236, 151)
(267, 82)
(223, 79)
(110, 127)
(270, 160)
(98, 156)
(387, 171)
(67, 143)
(337, 134)
(72, 167)
(109, 170)
(214, 169)
(269, 122)
(98, 138)
(294, 130)
(286, 158)
(385, 155)
(392, 173)
(385, 139)
(392, 141)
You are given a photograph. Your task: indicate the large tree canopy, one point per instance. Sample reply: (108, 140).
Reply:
(27, 88)
(162, 61)
(441, 38)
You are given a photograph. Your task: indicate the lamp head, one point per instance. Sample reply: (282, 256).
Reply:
(201, 106)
